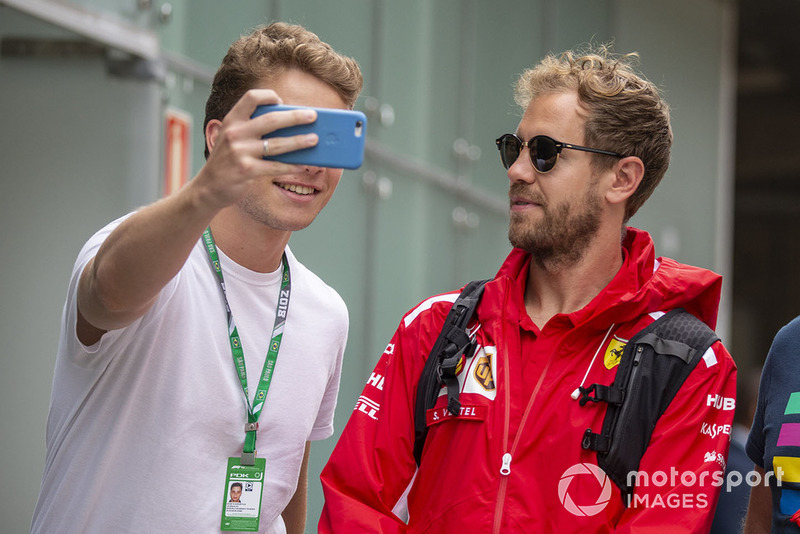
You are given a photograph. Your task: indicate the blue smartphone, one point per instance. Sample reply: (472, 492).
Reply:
(341, 137)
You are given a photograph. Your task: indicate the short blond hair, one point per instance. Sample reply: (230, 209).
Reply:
(626, 112)
(272, 50)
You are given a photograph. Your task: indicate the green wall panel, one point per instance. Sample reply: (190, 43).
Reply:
(445, 69)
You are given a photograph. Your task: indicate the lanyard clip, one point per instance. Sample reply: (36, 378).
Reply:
(249, 458)
(251, 427)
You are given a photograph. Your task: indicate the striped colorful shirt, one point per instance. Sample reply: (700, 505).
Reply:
(774, 440)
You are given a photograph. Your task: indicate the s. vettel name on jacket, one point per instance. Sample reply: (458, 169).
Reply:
(475, 375)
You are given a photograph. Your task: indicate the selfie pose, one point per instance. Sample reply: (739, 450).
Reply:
(587, 373)
(195, 348)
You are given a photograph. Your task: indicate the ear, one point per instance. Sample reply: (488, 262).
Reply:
(212, 130)
(628, 173)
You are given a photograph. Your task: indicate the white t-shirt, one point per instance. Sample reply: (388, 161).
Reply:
(142, 423)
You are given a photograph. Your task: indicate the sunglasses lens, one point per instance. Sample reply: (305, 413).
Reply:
(544, 153)
(509, 149)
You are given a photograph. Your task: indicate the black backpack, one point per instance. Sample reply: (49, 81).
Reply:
(653, 367)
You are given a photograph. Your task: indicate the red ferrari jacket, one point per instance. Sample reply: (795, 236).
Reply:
(512, 460)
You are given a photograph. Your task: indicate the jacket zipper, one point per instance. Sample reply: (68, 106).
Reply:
(508, 456)
(505, 469)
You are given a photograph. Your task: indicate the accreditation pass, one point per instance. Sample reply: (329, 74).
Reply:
(241, 503)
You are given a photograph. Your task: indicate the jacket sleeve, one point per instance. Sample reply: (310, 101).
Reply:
(683, 470)
(372, 466)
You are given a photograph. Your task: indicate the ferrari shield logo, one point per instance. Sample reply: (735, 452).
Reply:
(614, 352)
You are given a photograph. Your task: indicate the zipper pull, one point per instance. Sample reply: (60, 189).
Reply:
(505, 469)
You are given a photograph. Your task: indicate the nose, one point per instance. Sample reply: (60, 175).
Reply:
(522, 170)
(312, 170)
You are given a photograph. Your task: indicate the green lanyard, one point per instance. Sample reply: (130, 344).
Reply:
(253, 411)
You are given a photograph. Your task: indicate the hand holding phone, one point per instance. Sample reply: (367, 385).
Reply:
(341, 137)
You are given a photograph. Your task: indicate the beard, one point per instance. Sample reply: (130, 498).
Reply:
(563, 232)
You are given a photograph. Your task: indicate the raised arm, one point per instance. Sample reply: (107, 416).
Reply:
(148, 249)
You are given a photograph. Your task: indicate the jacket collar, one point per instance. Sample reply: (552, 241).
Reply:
(644, 284)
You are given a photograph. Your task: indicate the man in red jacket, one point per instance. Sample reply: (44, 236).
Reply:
(592, 145)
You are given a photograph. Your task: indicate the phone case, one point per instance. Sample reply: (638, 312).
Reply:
(341, 138)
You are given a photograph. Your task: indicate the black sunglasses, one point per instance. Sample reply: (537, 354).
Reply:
(544, 150)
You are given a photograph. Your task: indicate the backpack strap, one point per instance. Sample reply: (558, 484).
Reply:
(654, 365)
(440, 368)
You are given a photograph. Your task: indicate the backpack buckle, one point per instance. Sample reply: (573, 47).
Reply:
(609, 394)
(595, 442)
(586, 396)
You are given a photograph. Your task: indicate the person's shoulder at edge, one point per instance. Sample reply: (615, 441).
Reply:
(326, 297)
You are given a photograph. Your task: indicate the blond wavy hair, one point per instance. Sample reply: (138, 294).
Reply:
(626, 112)
(270, 51)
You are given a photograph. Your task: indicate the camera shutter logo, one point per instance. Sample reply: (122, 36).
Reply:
(582, 470)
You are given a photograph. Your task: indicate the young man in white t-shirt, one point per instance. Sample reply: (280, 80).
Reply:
(180, 367)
